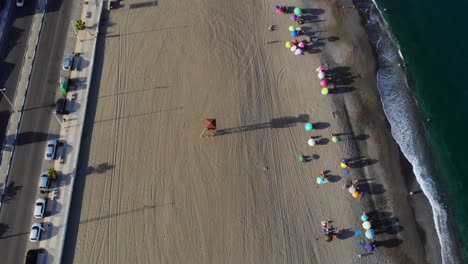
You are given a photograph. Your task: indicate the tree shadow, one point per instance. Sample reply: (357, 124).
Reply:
(313, 11)
(30, 137)
(390, 243)
(341, 90)
(361, 137)
(371, 188)
(3, 229)
(375, 215)
(11, 191)
(283, 122)
(55, 206)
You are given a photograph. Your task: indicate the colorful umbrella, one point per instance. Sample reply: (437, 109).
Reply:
(370, 234)
(288, 44)
(345, 171)
(298, 11)
(355, 194)
(324, 91)
(302, 158)
(295, 41)
(328, 237)
(344, 166)
(321, 180)
(292, 28)
(293, 17)
(357, 232)
(308, 126)
(279, 11)
(370, 247)
(301, 44)
(311, 142)
(352, 189)
(293, 48)
(364, 218)
(320, 69)
(367, 225)
(321, 75)
(294, 33)
(298, 52)
(324, 82)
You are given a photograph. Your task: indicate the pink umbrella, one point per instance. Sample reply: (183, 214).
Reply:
(320, 69)
(298, 52)
(323, 82)
(301, 44)
(293, 17)
(279, 11)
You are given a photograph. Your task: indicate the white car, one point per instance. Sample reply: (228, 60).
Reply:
(35, 234)
(39, 209)
(19, 3)
(51, 149)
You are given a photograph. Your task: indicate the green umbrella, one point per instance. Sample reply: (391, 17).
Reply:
(328, 237)
(298, 11)
(291, 28)
(336, 139)
(302, 158)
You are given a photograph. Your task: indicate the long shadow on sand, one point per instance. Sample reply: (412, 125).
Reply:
(282, 122)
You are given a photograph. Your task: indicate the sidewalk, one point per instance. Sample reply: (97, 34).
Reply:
(60, 199)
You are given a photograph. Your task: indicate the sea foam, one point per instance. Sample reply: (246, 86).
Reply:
(404, 116)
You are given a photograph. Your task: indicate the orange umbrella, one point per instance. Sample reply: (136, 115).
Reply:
(356, 194)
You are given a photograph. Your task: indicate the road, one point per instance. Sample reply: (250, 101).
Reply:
(37, 126)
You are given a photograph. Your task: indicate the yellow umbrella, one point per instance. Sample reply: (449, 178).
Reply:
(344, 166)
(324, 91)
(288, 44)
(356, 194)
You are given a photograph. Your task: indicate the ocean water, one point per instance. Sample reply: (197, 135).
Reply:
(428, 39)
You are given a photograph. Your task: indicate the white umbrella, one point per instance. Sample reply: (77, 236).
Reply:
(293, 48)
(352, 189)
(367, 225)
(298, 52)
(321, 75)
(311, 142)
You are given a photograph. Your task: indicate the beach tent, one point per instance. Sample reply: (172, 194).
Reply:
(367, 225)
(308, 126)
(324, 82)
(321, 180)
(311, 142)
(370, 234)
(324, 91)
(298, 11)
(370, 247)
(288, 44)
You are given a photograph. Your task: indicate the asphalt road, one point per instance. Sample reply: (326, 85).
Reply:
(37, 126)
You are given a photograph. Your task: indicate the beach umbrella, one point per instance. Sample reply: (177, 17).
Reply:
(298, 52)
(345, 171)
(279, 11)
(324, 82)
(298, 11)
(352, 189)
(308, 126)
(320, 69)
(288, 44)
(324, 91)
(321, 75)
(355, 194)
(328, 237)
(294, 41)
(367, 225)
(344, 166)
(336, 139)
(321, 180)
(364, 218)
(370, 234)
(311, 142)
(301, 44)
(293, 48)
(293, 17)
(370, 247)
(294, 33)
(357, 232)
(292, 28)
(325, 230)
(302, 158)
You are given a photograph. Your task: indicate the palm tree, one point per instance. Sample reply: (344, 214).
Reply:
(80, 24)
(52, 174)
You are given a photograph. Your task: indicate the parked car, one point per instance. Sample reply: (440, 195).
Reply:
(68, 63)
(63, 85)
(51, 149)
(60, 107)
(44, 181)
(19, 3)
(31, 256)
(39, 209)
(35, 234)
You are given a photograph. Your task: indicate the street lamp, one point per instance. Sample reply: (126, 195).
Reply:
(3, 90)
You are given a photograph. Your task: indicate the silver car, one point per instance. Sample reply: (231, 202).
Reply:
(39, 209)
(35, 234)
(68, 63)
(51, 149)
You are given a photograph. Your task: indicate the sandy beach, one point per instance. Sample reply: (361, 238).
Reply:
(150, 190)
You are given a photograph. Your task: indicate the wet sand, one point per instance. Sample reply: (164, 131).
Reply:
(150, 190)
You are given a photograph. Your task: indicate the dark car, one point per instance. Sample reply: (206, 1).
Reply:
(31, 256)
(60, 108)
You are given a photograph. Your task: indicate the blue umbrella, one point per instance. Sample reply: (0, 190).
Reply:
(364, 218)
(345, 171)
(357, 232)
(370, 247)
(294, 34)
(362, 244)
(370, 234)
(321, 180)
(308, 126)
